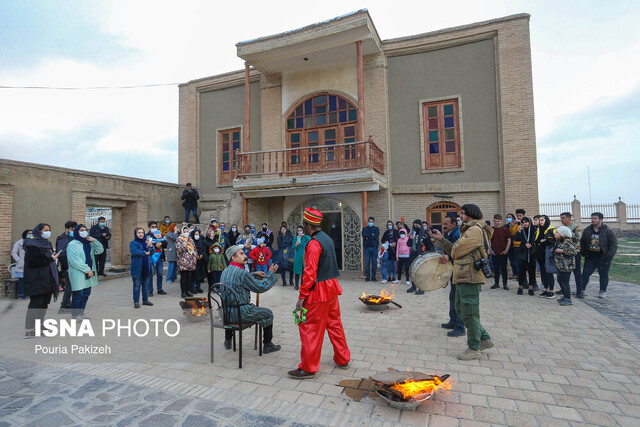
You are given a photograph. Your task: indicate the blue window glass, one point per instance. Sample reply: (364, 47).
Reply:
(347, 140)
(295, 138)
(342, 104)
(434, 148)
(333, 118)
(330, 134)
(236, 136)
(321, 110)
(448, 110)
(450, 146)
(321, 120)
(225, 137)
(449, 134)
(299, 122)
(299, 111)
(342, 116)
(236, 145)
(352, 115)
(320, 99)
(225, 167)
(225, 157)
(433, 136)
(333, 103)
(307, 107)
(295, 159)
(448, 122)
(312, 137)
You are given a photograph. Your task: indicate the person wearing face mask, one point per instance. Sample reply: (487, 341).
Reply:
(166, 225)
(544, 239)
(336, 235)
(253, 231)
(200, 273)
(190, 199)
(158, 248)
(101, 233)
(525, 249)
(299, 244)
(420, 243)
(266, 234)
(285, 240)
(390, 236)
(370, 242)
(403, 252)
(216, 264)
(83, 274)
(17, 253)
(61, 246)
(140, 267)
(233, 235)
(171, 237)
(213, 225)
(40, 276)
(187, 259)
(246, 234)
(512, 225)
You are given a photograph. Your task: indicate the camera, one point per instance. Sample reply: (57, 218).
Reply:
(483, 265)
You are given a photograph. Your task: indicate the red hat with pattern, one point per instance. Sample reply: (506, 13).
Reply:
(312, 216)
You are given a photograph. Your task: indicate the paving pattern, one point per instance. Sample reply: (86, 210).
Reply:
(551, 365)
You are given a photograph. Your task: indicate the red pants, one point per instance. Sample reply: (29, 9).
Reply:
(320, 317)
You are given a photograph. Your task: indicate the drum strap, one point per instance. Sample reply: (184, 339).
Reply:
(484, 238)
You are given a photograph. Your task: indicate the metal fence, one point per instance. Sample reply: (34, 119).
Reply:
(633, 213)
(608, 210)
(92, 215)
(554, 209)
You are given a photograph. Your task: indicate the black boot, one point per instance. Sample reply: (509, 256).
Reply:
(270, 347)
(411, 289)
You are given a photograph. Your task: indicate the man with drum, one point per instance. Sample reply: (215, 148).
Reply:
(468, 252)
(452, 234)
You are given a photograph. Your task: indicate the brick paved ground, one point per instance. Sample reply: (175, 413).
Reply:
(551, 365)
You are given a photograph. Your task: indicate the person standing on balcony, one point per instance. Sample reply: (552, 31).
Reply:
(190, 198)
(319, 296)
(371, 240)
(101, 233)
(598, 245)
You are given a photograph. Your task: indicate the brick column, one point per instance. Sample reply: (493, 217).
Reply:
(360, 67)
(6, 234)
(188, 165)
(78, 207)
(576, 214)
(621, 211)
(247, 109)
(128, 221)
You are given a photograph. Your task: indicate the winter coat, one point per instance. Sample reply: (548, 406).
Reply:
(17, 253)
(171, 246)
(608, 241)
(267, 236)
(260, 255)
(78, 267)
(527, 235)
(284, 241)
(38, 277)
(390, 236)
(232, 238)
(186, 254)
(166, 228)
(403, 249)
(216, 262)
(96, 232)
(468, 249)
(61, 245)
(243, 238)
(203, 259)
(190, 198)
(565, 261)
(370, 237)
(298, 253)
(138, 258)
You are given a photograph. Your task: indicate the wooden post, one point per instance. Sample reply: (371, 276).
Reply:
(360, 91)
(364, 218)
(245, 215)
(247, 110)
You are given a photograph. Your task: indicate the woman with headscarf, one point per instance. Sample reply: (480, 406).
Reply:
(187, 258)
(200, 273)
(285, 240)
(544, 238)
(232, 235)
(83, 274)
(141, 273)
(525, 256)
(17, 253)
(40, 276)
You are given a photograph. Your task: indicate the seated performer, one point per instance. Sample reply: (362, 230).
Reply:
(319, 295)
(243, 283)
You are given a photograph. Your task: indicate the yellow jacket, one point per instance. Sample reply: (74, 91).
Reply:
(513, 230)
(468, 249)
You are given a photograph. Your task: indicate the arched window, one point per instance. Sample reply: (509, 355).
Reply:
(437, 211)
(322, 119)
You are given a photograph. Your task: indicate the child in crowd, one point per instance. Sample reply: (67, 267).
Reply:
(564, 259)
(403, 252)
(383, 257)
(216, 264)
(261, 256)
(247, 248)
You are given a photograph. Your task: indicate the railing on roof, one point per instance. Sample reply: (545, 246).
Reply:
(311, 159)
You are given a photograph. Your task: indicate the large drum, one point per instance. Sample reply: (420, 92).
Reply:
(428, 273)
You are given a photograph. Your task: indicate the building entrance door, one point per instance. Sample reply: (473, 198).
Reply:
(438, 211)
(347, 231)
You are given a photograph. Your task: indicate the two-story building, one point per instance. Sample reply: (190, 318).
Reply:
(333, 116)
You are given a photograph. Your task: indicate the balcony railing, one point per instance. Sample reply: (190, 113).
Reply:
(312, 159)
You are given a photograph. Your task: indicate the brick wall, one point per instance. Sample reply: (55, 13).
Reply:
(6, 219)
(271, 112)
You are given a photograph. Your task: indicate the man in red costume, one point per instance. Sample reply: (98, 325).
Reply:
(319, 295)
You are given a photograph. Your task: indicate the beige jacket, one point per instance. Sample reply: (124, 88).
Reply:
(468, 249)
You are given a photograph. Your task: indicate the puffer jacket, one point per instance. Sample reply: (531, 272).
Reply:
(468, 249)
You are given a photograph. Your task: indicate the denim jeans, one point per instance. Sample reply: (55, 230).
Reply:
(284, 277)
(187, 211)
(388, 269)
(159, 271)
(577, 273)
(20, 284)
(454, 319)
(172, 271)
(143, 284)
(79, 300)
(515, 268)
(264, 268)
(592, 264)
(370, 260)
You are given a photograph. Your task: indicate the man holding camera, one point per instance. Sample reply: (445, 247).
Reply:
(470, 263)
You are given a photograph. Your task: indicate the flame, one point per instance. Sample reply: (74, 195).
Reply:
(384, 297)
(199, 311)
(411, 388)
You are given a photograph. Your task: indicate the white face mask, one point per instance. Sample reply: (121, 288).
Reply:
(153, 229)
(84, 234)
(46, 234)
(216, 250)
(185, 234)
(197, 237)
(234, 229)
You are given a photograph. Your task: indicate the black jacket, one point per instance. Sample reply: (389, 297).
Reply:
(190, 198)
(391, 236)
(608, 241)
(61, 245)
(96, 233)
(38, 275)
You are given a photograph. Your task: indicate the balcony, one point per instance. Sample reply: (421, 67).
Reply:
(353, 166)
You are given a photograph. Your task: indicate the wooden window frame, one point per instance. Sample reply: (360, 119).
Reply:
(422, 105)
(225, 178)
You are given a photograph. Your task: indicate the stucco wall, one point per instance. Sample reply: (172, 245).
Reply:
(467, 70)
(221, 109)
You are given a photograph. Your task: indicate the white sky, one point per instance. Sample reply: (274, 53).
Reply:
(586, 57)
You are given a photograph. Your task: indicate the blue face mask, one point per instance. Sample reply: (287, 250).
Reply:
(102, 224)
(167, 221)
(390, 227)
(222, 228)
(333, 226)
(509, 219)
(71, 234)
(370, 224)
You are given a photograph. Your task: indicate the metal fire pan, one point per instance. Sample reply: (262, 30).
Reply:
(403, 404)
